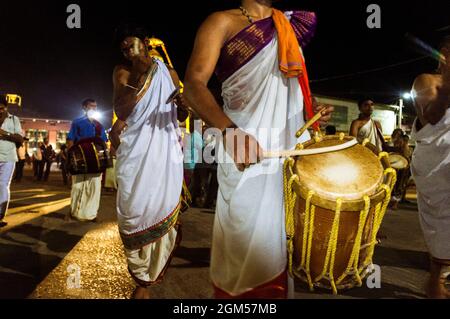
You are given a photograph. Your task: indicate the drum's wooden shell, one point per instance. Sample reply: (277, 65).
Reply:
(89, 156)
(323, 223)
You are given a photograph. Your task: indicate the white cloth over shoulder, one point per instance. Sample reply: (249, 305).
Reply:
(249, 239)
(430, 168)
(369, 131)
(149, 159)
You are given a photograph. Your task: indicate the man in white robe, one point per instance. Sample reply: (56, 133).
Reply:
(430, 168)
(149, 163)
(265, 107)
(365, 127)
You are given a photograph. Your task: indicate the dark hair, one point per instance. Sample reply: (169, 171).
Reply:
(364, 99)
(87, 101)
(3, 100)
(397, 130)
(330, 130)
(445, 43)
(129, 30)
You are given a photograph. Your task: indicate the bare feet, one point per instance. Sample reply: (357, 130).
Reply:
(141, 293)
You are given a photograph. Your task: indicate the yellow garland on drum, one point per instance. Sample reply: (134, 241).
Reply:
(353, 268)
(289, 208)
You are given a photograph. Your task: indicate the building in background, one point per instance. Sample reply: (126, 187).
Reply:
(345, 111)
(36, 130)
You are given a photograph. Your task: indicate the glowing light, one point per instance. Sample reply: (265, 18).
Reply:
(407, 96)
(341, 174)
(97, 115)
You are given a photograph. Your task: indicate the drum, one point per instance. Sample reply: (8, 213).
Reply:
(398, 161)
(335, 203)
(89, 156)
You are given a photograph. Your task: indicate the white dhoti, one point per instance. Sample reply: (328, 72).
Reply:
(149, 175)
(85, 196)
(430, 168)
(110, 176)
(249, 239)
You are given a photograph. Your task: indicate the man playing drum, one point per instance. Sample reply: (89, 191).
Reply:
(86, 188)
(149, 161)
(430, 168)
(255, 51)
(365, 127)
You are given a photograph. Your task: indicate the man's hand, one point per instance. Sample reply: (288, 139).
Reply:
(326, 112)
(243, 148)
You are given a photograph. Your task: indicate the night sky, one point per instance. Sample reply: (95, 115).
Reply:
(54, 68)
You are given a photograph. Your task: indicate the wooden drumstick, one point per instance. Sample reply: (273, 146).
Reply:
(313, 151)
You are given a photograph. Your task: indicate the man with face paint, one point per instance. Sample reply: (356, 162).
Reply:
(256, 53)
(364, 127)
(430, 168)
(149, 162)
(86, 188)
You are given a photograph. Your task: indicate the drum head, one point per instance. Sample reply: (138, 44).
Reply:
(398, 161)
(349, 174)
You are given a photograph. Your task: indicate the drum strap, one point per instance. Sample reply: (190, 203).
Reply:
(98, 129)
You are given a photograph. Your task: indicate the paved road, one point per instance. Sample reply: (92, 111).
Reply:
(40, 252)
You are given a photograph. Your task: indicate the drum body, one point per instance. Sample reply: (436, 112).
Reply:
(89, 156)
(335, 204)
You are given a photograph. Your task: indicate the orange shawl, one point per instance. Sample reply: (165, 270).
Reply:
(291, 59)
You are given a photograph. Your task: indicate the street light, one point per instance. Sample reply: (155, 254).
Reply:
(405, 96)
(97, 115)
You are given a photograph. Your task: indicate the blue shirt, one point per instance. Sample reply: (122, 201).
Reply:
(84, 128)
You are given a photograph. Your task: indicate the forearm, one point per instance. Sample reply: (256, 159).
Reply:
(114, 135)
(14, 138)
(124, 105)
(125, 94)
(203, 102)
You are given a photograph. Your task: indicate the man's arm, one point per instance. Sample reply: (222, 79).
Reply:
(114, 134)
(126, 85)
(180, 101)
(208, 43)
(430, 101)
(384, 145)
(124, 97)
(354, 128)
(14, 138)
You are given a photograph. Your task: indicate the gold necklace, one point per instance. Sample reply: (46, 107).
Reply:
(246, 14)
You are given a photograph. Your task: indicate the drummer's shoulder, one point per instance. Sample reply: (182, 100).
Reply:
(425, 80)
(222, 19)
